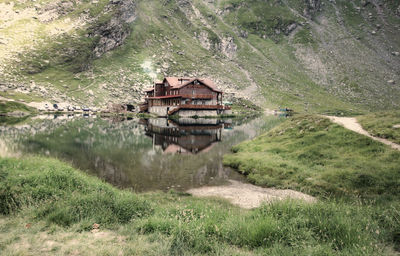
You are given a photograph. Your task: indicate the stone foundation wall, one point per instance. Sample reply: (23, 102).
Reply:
(189, 113)
(159, 110)
(227, 112)
(163, 111)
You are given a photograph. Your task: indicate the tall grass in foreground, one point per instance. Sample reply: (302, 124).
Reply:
(63, 195)
(44, 190)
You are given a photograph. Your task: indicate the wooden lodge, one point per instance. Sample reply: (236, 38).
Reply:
(184, 96)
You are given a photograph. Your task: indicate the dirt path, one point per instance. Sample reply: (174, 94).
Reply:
(247, 195)
(352, 124)
(5, 99)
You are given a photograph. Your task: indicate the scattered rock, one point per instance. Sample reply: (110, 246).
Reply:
(290, 28)
(204, 40)
(364, 3)
(243, 34)
(312, 7)
(228, 47)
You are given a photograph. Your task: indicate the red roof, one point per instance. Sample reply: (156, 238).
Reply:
(179, 82)
(166, 97)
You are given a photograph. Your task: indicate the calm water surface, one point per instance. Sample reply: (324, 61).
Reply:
(143, 154)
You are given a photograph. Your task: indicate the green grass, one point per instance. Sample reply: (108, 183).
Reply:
(260, 18)
(311, 154)
(12, 120)
(304, 36)
(244, 107)
(24, 97)
(62, 195)
(382, 124)
(7, 107)
(61, 204)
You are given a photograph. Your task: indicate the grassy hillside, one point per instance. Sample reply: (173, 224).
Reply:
(382, 124)
(313, 155)
(53, 211)
(328, 57)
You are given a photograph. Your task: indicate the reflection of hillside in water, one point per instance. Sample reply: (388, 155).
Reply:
(185, 136)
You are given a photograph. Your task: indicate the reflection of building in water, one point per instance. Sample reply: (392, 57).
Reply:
(184, 136)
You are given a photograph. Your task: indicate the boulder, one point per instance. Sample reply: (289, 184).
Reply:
(290, 28)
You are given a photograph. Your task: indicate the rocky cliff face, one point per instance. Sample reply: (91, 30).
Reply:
(312, 7)
(113, 33)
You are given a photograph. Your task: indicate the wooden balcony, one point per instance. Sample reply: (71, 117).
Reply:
(197, 96)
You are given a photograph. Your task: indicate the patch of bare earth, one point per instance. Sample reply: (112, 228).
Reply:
(249, 196)
(352, 124)
(67, 243)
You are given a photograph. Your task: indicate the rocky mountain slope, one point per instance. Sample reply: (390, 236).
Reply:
(326, 56)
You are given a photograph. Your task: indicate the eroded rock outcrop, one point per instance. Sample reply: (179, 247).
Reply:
(211, 41)
(312, 7)
(113, 32)
(228, 47)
